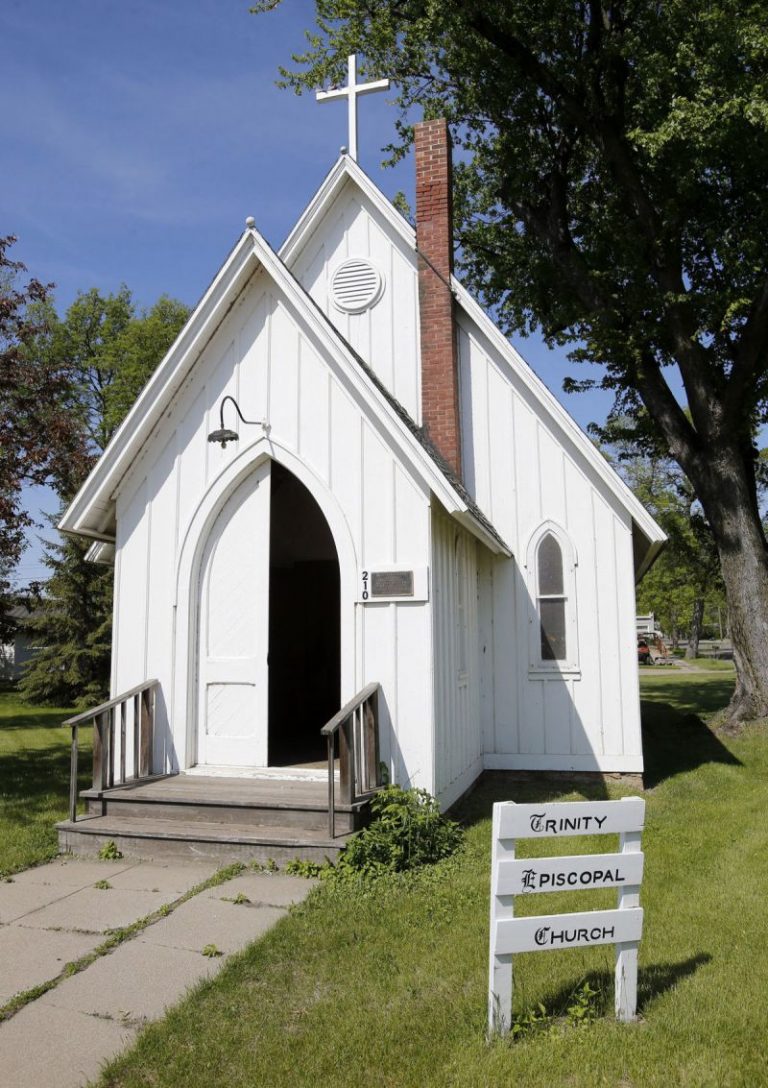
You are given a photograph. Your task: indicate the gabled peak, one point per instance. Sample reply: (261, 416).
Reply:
(344, 171)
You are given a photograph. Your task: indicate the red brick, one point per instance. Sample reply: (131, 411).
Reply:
(434, 240)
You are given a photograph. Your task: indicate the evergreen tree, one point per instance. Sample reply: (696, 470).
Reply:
(70, 627)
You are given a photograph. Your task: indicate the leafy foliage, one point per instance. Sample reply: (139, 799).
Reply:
(25, 419)
(686, 578)
(105, 351)
(71, 628)
(612, 190)
(407, 831)
(110, 851)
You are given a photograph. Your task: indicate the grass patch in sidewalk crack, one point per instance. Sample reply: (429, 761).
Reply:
(116, 937)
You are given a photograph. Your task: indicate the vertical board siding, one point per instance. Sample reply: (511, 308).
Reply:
(132, 623)
(458, 727)
(261, 355)
(523, 471)
(386, 335)
(284, 340)
(161, 573)
(379, 498)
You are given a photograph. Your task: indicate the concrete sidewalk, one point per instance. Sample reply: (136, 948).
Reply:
(54, 914)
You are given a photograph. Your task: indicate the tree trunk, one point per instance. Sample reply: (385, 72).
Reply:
(725, 489)
(697, 619)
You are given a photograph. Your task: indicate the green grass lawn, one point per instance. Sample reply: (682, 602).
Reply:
(385, 985)
(34, 780)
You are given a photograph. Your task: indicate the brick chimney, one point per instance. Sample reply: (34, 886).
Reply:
(434, 240)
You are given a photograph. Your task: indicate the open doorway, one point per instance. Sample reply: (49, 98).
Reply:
(304, 624)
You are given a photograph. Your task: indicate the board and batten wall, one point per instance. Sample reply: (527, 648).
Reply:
(459, 658)
(386, 335)
(266, 357)
(524, 470)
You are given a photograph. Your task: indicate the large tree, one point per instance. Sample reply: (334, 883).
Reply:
(30, 419)
(611, 190)
(104, 351)
(685, 581)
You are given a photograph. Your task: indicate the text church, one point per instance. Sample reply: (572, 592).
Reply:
(355, 539)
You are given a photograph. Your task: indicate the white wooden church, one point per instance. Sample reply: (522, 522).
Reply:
(343, 480)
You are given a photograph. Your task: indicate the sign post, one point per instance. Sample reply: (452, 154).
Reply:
(510, 877)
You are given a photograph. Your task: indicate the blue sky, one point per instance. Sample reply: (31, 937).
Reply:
(136, 137)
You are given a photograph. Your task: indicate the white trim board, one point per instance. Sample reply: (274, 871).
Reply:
(607, 764)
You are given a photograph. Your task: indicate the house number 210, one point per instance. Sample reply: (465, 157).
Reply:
(365, 594)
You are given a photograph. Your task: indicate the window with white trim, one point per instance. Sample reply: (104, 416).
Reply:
(552, 585)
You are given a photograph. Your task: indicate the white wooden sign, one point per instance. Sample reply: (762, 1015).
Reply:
(560, 874)
(568, 930)
(511, 876)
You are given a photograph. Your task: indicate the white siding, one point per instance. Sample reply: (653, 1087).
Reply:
(264, 356)
(386, 335)
(523, 471)
(457, 684)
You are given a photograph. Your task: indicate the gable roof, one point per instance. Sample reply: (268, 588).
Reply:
(649, 536)
(91, 512)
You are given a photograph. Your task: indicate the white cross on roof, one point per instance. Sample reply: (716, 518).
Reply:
(351, 93)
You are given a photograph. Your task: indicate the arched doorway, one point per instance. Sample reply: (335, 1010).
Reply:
(269, 627)
(304, 624)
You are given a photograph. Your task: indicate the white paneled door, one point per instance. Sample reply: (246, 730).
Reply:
(234, 630)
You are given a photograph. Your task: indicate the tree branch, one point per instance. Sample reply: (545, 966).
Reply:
(751, 350)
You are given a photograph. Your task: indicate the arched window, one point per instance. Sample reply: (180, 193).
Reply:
(552, 588)
(551, 599)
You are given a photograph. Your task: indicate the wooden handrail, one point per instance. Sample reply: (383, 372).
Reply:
(357, 725)
(102, 707)
(338, 719)
(104, 748)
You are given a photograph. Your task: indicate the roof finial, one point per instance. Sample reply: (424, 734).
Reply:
(250, 222)
(351, 92)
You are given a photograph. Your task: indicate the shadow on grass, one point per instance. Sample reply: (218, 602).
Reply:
(687, 692)
(674, 742)
(652, 981)
(35, 719)
(31, 779)
(514, 786)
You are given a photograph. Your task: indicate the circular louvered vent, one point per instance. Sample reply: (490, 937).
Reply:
(356, 285)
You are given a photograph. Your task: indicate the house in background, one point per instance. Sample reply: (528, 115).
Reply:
(15, 655)
(343, 486)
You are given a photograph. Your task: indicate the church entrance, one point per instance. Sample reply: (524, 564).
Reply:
(269, 659)
(304, 624)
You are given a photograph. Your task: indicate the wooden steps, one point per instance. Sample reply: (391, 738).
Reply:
(193, 816)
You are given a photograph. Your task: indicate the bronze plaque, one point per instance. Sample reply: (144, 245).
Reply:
(392, 583)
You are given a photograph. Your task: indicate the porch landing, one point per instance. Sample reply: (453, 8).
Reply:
(199, 816)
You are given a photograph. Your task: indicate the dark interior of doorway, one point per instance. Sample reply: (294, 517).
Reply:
(304, 624)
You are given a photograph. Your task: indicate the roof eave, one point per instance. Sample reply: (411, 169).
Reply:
(610, 478)
(343, 169)
(153, 400)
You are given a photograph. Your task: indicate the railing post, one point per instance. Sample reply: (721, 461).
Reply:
(136, 730)
(123, 715)
(73, 776)
(100, 753)
(331, 787)
(371, 741)
(347, 759)
(110, 727)
(147, 734)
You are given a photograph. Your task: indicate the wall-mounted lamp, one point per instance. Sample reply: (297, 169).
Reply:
(223, 434)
